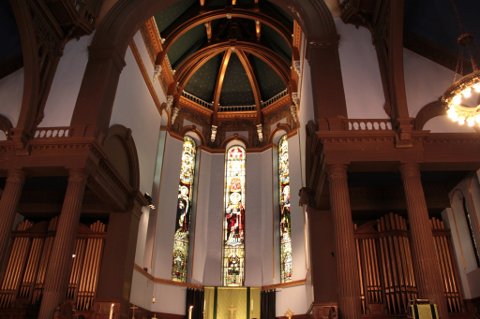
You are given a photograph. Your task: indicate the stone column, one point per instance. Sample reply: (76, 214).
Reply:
(425, 263)
(345, 253)
(8, 206)
(60, 264)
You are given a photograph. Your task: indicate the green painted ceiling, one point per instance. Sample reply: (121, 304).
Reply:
(236, 89)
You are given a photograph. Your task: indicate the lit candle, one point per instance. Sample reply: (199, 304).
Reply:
(190, 310)
(251, 305)
(110, 314)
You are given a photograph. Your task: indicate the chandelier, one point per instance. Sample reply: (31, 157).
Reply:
(463, 96)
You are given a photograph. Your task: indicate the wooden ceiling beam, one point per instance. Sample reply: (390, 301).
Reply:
(252, 79)
(174, 32)
(220, 79)
(187, 68)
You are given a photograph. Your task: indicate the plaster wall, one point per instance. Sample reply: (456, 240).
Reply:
(306, 112)
(293, 298)
(141, 293)
(167, 208)
(425, 82)
(169, 299)
(66, 83)
(360, 72)
(11, 95)
(202, 208)
(133, 97)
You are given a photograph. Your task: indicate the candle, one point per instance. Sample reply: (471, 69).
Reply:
(190, 310)
(251, 305)
(110, 314)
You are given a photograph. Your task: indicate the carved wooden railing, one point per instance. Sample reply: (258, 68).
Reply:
(52, 132)
(197, 100)
(369, 125)
(237, 108)
(275, 98)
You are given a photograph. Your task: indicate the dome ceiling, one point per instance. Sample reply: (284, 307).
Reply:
(232, 55)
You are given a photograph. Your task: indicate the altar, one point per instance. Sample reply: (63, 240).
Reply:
(231, 303)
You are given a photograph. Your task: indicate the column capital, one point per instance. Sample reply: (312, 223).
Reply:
(16, 175)
(410, 170)
(77, 175)
(337, 171)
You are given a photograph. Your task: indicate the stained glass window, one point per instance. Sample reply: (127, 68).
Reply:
(285, 218)
(181, 239)
(234, 218)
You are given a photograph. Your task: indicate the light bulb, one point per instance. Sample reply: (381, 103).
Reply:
(467, 93)
(476, 87)
(457, 99)
(461, 120)
(452, 113)
(470, 121)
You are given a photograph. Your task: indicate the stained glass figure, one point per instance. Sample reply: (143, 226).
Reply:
(285, 218)
(181, 239)
(234, 218)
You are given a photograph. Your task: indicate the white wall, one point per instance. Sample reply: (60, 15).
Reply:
(258, 190)
(167, 208)
(425, 80)
(135, 109)
(360, 72)
(169, 299)
(66, 83)
(200, 243)
(306, 113)
(11, 95)
(294, 299)
(213, 268)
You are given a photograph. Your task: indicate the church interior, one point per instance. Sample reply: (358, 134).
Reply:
(239, 159)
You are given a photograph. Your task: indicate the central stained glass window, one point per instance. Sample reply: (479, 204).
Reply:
(181, 239)
(234, 218)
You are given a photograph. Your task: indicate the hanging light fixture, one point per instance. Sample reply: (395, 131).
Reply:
(463, 96)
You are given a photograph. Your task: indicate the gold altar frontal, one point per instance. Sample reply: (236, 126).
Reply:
(232, 303)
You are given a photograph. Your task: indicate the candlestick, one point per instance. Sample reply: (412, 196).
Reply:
(110, 314)
(190, 310)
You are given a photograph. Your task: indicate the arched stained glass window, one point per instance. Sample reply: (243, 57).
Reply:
(285, 218)
(181, 239)
(234, 218)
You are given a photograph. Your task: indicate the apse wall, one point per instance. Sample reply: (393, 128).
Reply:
(66, 83)
(262, 258)
(360, 72)
(11, 95)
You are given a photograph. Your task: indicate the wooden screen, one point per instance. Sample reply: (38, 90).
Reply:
(385, 264)
(24, 275)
